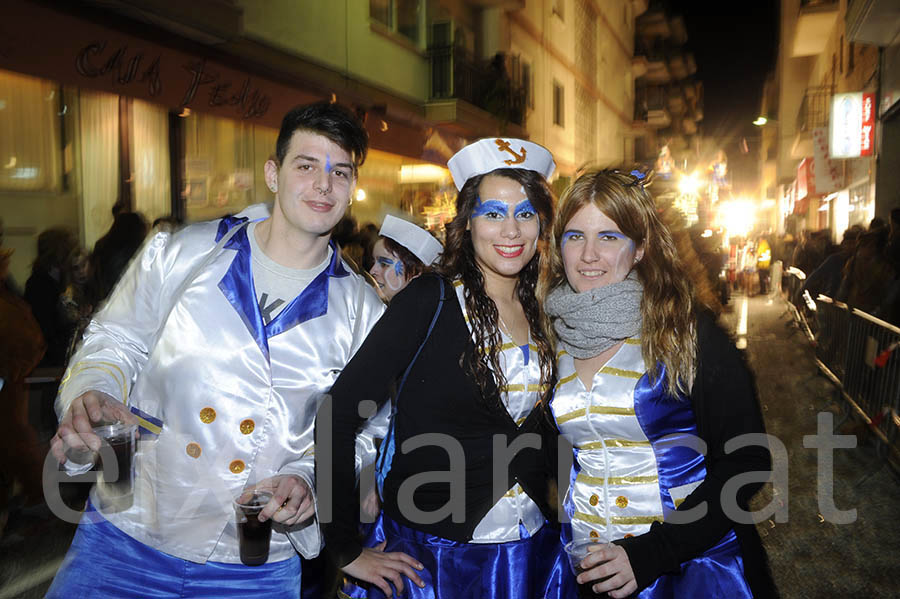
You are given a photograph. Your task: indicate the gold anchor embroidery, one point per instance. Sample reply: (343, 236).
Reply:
(503, 145)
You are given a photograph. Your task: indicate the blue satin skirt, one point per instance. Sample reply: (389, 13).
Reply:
(456, 570)
(105, 563)
(717, 574)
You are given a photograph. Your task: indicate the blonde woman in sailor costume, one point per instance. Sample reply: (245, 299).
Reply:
(473, 363)
(221, 341)
(643, 371)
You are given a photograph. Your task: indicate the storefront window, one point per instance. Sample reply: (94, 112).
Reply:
(150, 158)
(30, 153)
(393, 184)
(98, 114)
(860, 209)
(224, 165)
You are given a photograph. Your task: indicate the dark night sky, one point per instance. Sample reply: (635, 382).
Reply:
(735, 45)
(734, 51)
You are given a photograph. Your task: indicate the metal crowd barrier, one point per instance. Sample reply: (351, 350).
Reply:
(860, 354)
(800, 306)
(872, 373)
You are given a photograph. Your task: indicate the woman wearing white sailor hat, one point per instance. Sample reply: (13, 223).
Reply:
(403, 252)
(474, 363)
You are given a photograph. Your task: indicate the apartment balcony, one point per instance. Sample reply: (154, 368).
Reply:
(677, 103)
(814, 24)
(640, 6)
(657, 70)
(678, 67)
(813, 113)
(474, 97)
(651, 107)
(654, 24)
(639, 66)
(657, 53)
(874, 22)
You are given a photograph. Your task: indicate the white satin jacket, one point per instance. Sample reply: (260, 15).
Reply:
(614, 486)
(181, 341)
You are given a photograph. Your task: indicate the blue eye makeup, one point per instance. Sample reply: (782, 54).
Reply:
(385, 262)
(614, 234)
(490, 207)
(568, 235)
(524, 210)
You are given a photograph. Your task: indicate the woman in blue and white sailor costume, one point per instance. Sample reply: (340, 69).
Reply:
(472, 363)
(646, 378)
(402, 252)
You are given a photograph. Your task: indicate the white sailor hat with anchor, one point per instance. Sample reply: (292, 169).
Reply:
(486, 155)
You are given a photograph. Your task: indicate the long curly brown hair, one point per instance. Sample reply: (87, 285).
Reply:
(668, 329)
(458, 262)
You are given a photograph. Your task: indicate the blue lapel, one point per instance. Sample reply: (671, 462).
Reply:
(313, 301)
(237, 287)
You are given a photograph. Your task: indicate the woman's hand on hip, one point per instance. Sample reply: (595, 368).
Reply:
(380, 568)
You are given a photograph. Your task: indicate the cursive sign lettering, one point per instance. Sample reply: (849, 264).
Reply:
(123, 69)
(250, 102)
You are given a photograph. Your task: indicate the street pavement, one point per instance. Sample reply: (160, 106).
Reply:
(811, 555)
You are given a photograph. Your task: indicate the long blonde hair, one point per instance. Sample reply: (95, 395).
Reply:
(668, 329)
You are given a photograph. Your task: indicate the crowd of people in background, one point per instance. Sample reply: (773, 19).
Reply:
(41, 324)
(862, 271)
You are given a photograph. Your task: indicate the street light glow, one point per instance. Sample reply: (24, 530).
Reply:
(689, 184)
(760, 121)
(738, 217)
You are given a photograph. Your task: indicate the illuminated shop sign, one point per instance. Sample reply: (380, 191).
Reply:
(852, 125)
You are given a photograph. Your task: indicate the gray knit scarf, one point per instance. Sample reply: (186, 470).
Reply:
(591, 322)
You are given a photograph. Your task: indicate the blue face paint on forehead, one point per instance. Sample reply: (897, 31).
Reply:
(327, 163)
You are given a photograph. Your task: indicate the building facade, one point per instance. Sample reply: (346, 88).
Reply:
(835, 114)
(171, 108)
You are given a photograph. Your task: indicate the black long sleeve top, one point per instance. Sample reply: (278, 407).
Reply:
(439, 397)
(725, 407)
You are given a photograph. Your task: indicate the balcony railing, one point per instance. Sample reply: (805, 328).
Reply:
(485, 84)
(814, 108)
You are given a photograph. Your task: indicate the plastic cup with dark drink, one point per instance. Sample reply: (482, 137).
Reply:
(576, 551)
(116, 458)
(253, 535)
